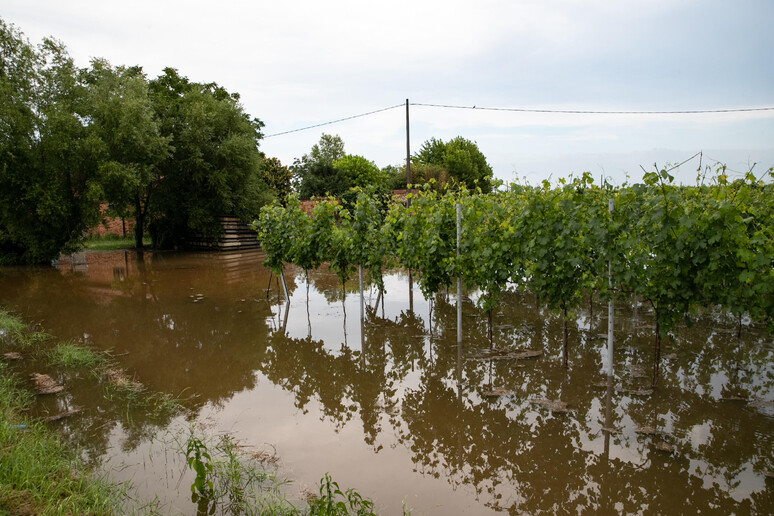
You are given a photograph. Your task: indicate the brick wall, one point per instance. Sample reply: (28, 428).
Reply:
(112, 225)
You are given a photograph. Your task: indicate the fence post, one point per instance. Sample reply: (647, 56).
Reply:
(285, 286)
(610, 311)
(360, 281)
(459, 278)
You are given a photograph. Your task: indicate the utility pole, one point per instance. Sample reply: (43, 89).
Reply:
(408, 156)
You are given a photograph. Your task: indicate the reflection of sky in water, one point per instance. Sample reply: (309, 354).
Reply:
(406, 415)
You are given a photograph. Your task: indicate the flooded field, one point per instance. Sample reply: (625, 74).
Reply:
(395, 407)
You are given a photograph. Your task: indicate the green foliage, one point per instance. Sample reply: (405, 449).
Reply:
(215, 168)
(227, 480)
(278, 233)
(426, 239)
(200, 461)
(49, 190)
(172, 152)
(315, 175)
(335, 502)
(328, 172)
(359, 172)
(71, 355)
(129, 146)
(458, 160)
(679, 247)
(278, 177)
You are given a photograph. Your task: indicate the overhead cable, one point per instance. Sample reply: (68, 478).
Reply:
(334, 121)
(592, 112)
(529, 110)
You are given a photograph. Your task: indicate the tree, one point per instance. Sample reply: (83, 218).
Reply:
(314, 173)
(278, 177)
(49, 192)
(131, 147)
(460, 158)
(359, 172)
(215, 168)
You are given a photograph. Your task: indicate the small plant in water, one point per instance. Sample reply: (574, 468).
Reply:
(334, 502)
(200, 461)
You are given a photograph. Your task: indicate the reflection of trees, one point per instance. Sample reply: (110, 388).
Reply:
(520, 457)
(428, 395)
(145, 310)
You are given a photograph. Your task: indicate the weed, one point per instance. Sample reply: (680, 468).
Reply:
(200, 461)
(228, 482)
(334, 502)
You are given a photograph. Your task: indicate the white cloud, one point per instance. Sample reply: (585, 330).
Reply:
(300, 63)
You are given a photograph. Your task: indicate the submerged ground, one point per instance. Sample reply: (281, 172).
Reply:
(394, 407)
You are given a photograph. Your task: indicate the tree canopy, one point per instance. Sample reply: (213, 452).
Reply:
(49, 192)
(130, 146)
(456, 161)
(328, 170)
(215, 167)
(169, 151)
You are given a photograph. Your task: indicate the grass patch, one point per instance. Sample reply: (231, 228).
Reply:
(14, 331)
(40, 474)
(113, 243)
(119, 388)
(72, 355)
(11, 327)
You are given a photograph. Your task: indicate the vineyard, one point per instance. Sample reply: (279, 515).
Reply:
(678, 248)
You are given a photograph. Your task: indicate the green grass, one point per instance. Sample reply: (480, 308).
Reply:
(14, 331)
(39, 473)
(11, 327)
(113, 243)
(71, 355)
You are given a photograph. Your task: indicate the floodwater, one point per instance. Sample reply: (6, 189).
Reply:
(396, 408)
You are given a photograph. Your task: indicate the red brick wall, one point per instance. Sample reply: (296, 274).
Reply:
(112, 226)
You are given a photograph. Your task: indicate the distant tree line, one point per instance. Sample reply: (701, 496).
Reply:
(327, 171)
(174, 154)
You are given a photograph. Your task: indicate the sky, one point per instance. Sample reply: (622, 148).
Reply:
(302, 63)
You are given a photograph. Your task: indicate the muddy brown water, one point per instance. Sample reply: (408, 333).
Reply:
(396, 408)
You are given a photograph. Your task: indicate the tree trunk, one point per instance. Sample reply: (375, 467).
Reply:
(564, 336)
(489, 325)
(139, 219)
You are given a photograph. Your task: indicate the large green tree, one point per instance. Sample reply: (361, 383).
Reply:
(131, 146)
(49, 192)
(458, 160)
(215, 167)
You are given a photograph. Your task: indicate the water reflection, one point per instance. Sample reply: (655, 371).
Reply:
(205, 327)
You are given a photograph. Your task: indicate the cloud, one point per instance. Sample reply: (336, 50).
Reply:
(301, 63)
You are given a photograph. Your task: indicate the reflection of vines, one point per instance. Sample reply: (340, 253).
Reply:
(520, 457)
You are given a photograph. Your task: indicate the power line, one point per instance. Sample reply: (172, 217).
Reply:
(591, 112)
(528, 110)
(334, 121)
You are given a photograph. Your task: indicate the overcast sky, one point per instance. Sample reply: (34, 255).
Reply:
(302, 63)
